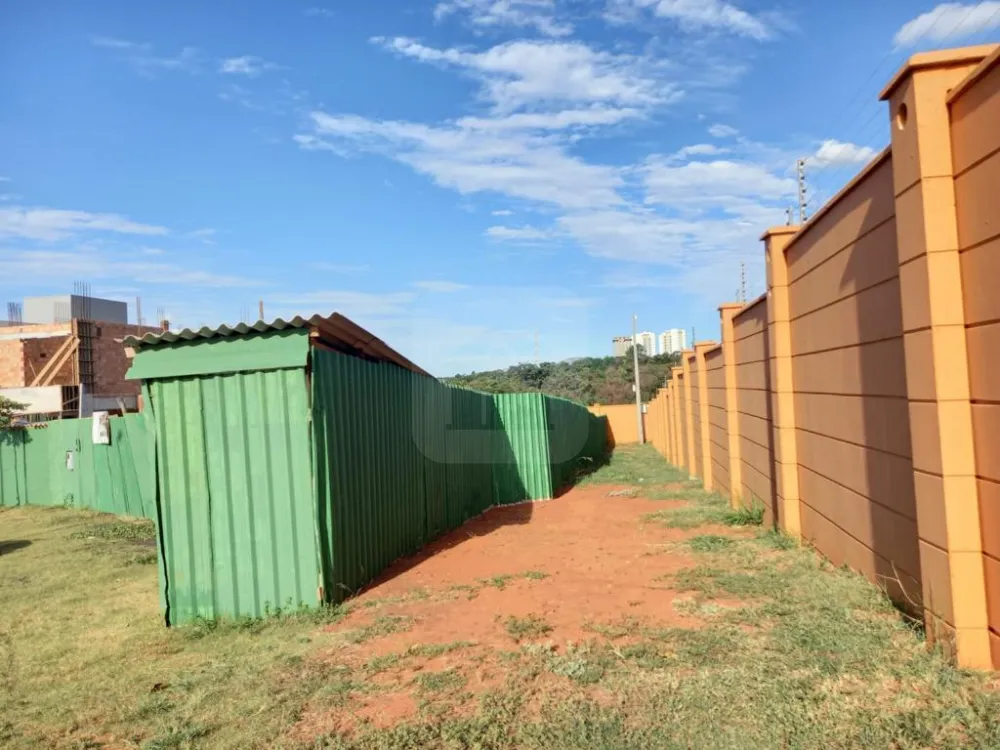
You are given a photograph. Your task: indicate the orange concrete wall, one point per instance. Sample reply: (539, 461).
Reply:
(696, 431)
(656, 422)
(849, 372)
(622, 422)
(753, 404)
(683, 440)
(975, 140)
(718, 431)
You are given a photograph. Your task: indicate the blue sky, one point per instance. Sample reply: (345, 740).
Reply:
(460, 176)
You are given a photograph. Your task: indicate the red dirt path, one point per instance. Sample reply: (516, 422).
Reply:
(602, 565)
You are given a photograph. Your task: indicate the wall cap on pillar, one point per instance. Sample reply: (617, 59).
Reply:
(704, 345)
(945, 58)
(732, 306)
(981, 70)
(776, 231)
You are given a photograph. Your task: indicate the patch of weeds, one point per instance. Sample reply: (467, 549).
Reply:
(682, 493)
(378, 628)
(774, 539)
(709, 543)
(145, 558)
(414, 595)
(440, 682)
(583, 664)
(497, 582)
(700, 647)
(176, 737)
(470, 591)
(645, 655)
(623, 493)
(124, 530)
(624, 627)
(431, 650)
(535, 575)
(153, 705)
(381, 663)
(752, 515)
(635, 465)
(531, 626)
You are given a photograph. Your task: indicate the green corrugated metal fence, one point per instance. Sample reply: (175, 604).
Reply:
(237, 514)
(289, 486)
(58, 464)
(401, 459)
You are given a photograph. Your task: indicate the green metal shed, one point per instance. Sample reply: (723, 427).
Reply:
(297, 459)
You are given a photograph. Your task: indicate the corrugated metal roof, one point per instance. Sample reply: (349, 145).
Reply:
(334, 331)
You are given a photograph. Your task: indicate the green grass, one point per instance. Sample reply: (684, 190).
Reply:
(138, 530)
(378, 628)
(637, 465)
(531, 626)
(709, 543)
(779, 650)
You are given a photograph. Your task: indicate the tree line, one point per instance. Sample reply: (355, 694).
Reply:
(590, 380)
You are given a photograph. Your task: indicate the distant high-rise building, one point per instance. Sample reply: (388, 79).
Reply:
(646, 341)
(620, 345)
(672, 341)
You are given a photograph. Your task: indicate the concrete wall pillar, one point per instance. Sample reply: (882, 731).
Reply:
(675, 422)
(779, 339)
(727, 312)
(934, 340)
(703, 414)
(687, 358)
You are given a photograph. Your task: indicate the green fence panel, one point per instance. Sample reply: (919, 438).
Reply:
(59, 465)
(370, 472)
(236, 502)
(522, 470)
(13, 471)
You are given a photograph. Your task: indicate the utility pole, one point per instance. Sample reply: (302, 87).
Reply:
(138, 316)
(800, 170)
(638, 392)
(743, 283)
(788, 216)
(260, 308)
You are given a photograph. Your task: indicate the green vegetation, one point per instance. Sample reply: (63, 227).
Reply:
(531, 626)
(640, 466)
(768, 647)
(7, 409)
(589, 380)
(139, 530)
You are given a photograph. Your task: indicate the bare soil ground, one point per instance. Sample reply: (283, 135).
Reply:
(634, 612)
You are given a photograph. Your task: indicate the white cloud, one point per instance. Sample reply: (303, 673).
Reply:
(439, 286)
(51, 265)
(539, 14)
(699, 149)
(722, 131)
(519, 234)
(53, 224)
(712, 180)
(949, 21)
(10, 196)
(349, 303)
(152, 251)
(551, 120)
(518, 165)
(339, 267)
(119, 44)
(697, 15)
(835, 153)
(317, 12)
(205, 235)
(502, 212)
(246, 65)
(522, 72)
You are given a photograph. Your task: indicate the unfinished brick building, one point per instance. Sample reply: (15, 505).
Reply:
(69, 367)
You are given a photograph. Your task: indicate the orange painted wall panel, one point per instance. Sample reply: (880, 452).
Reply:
(699, 461)
(874, 369)
(621, 421)
(975, 141)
